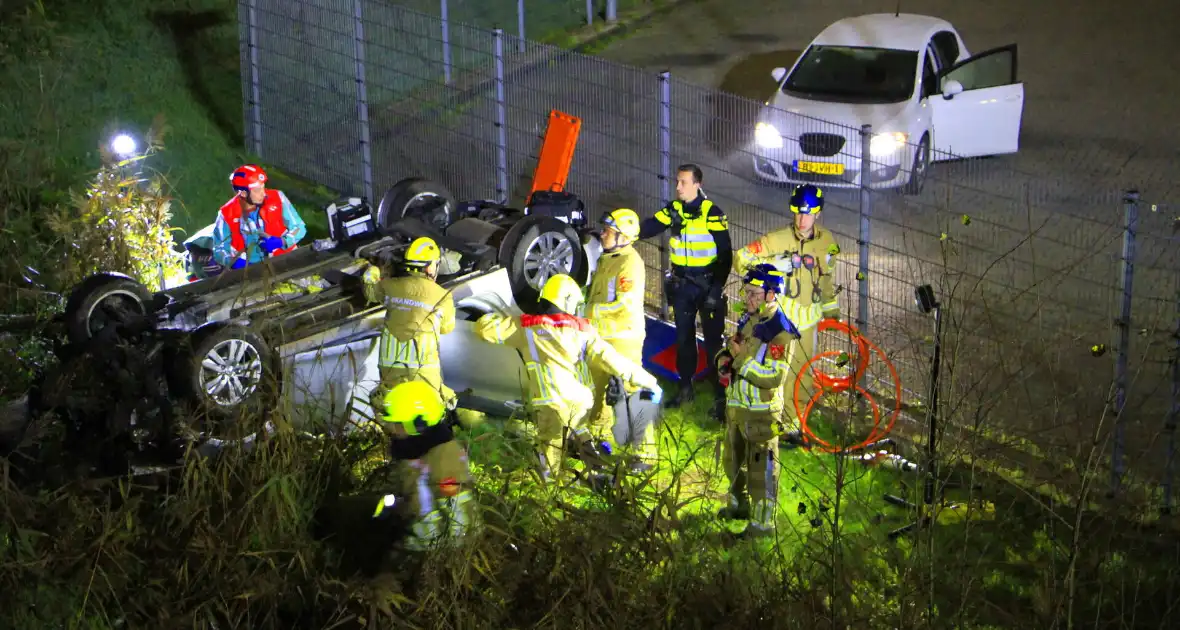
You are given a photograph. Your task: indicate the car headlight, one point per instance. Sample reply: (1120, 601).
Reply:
(887, 143)
(767, 136)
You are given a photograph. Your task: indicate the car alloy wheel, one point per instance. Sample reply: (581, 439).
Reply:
(230, 372)
(549, 254)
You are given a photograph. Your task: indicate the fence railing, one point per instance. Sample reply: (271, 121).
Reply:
(1061, 292)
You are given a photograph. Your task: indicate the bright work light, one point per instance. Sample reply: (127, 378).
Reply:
(123, 145)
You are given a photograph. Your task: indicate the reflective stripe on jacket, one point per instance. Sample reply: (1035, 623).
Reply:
(557, 350)
(759, 370)
(417, 313)
(692, 244)
(807, 293)
(233, 234)
(614, 302)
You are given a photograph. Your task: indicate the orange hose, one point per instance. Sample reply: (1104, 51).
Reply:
(841, 383)
(837, 385)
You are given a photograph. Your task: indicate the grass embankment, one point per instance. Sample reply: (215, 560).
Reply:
(75, 73)
(282, 537)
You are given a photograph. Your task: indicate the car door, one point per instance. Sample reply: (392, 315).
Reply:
(984, 118)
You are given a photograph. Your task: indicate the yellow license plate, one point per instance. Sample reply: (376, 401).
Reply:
(819, 168)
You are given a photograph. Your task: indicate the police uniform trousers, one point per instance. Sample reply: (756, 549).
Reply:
(687, 299)
(751, 462)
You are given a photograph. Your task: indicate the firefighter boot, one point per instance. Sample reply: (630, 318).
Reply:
(738, 509)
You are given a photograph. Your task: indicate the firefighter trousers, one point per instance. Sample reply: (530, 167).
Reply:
(554, 424)
(602, 418)
(751, 462)
(438, 488)
(797, 356)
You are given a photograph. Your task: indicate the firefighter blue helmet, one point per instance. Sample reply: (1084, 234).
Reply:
(807, 199)
(765, 275)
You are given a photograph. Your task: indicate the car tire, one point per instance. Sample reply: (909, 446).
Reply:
(104, 298)
(416, 198)
(241, 358)
(919, 169)
(533, 250)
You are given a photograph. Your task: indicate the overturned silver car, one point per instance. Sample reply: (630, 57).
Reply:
(297, 328)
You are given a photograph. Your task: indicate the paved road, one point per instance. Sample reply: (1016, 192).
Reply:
(1096, 121)
(1098, 118)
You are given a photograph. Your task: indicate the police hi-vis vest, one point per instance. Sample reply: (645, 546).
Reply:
(693, 245)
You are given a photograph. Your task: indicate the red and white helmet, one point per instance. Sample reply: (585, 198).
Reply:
(247, 177)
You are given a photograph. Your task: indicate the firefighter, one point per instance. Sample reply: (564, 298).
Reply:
(557, 346)
(806, 254)
(614, 306)
(432, 465)
(418, 312)
(701, 255)
(257, 223)
(754, 368)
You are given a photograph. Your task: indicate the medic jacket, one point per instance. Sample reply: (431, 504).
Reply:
(759, 371)
(614, 302)
(234, 233)
(809, 288)
(417, 312)
(553, 347)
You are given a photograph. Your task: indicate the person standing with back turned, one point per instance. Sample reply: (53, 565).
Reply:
(701, 254)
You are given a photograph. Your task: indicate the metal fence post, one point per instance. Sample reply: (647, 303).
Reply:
(589, 12)
(446, 41)
(362, 103)
(501, 122)
(864, 236)
(520, 25)
(1123, 323)
(612, 11)
(254, 107)
(665, 170)
(1173, 411)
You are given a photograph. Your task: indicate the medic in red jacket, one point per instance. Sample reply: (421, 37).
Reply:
(256, 224)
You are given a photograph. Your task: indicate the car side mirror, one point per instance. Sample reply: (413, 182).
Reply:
(951, 88)
(778, 74)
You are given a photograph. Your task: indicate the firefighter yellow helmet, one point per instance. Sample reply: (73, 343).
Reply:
(625, 221)
(422, 252)
(415, 405)
(563, 292)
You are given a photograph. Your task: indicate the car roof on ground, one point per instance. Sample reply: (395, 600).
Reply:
(906, 31)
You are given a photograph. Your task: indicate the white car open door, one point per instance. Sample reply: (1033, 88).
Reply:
(980, 106)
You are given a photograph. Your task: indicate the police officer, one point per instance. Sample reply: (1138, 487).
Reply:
(614, 305)
(418, 312)
(701, 255)
(754, 366)
(556, 346)
(432, 465)
(806, 253)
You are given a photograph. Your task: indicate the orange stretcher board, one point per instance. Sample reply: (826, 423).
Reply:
(557, 152)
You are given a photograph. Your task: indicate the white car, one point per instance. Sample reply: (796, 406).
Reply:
(908, 76)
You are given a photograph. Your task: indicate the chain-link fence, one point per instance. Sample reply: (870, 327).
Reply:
(1050, 288)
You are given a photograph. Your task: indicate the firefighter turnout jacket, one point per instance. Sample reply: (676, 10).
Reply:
(809, 264)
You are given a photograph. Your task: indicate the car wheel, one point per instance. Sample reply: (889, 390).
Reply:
(536, 249)
(920, 168)
(103, 299)
(416, 198)
(228, 371)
